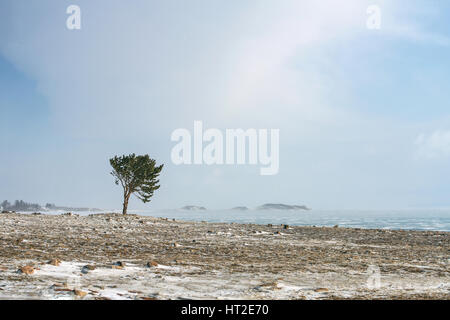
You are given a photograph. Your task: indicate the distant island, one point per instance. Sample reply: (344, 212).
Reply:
(280, 206)
(193, 208)
(240, 208)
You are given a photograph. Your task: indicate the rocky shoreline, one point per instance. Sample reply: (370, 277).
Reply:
(110, 256)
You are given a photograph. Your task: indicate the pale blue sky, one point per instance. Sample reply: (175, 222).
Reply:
(364, 115)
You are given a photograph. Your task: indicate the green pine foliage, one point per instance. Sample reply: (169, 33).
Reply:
(137, 175)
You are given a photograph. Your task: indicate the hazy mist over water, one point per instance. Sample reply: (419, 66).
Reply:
(417, 219)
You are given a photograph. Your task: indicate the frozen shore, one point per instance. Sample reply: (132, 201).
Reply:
(110, 256)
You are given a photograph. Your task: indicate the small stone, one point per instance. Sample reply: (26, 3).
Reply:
(63, 290)
(116, 267)
(152, 264)
(120, 264)
(26, 269)
(79, 293)
(54, 262)
(135, 291)
(321, 290)
(336, 226)
(175, 244)
(87, 268)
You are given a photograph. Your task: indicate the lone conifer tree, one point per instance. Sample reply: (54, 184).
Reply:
(136, 174)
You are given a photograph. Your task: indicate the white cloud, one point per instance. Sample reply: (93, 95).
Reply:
(433, 145)
(415, 34)
(411, 21)
(271, 38)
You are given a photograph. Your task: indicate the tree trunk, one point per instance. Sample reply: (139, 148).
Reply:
(125, 203)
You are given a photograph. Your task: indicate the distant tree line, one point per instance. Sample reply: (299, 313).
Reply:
(19, 205)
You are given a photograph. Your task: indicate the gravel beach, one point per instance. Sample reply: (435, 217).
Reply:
(110, 256)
